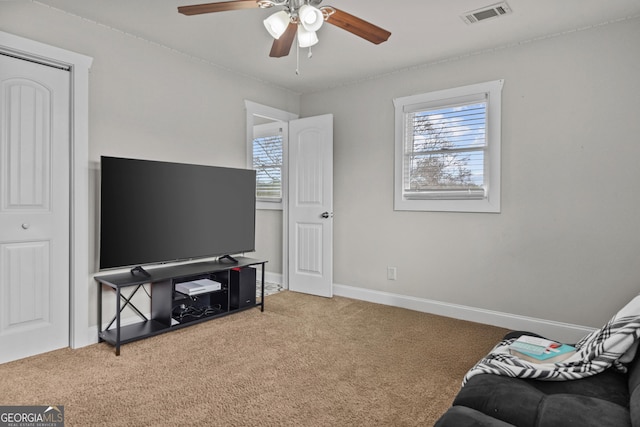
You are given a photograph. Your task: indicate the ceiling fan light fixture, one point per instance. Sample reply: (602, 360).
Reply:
(311, 18)
(277, 24)
(306, 38)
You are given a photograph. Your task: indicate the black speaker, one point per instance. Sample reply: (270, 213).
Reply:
(242, 284)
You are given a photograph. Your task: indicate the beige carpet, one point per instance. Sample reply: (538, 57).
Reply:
(305, 361)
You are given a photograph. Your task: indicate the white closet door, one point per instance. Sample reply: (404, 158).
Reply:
(34, 208)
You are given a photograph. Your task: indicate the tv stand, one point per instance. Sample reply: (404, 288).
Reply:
(172, 310)
(228, 257)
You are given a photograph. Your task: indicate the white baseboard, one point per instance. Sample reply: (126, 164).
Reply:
(271, 277)
(92, 335)
(92, 331)
(564, 332)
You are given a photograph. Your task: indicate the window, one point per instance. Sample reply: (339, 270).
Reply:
(268, 123)
(448, 150)
(267, 161)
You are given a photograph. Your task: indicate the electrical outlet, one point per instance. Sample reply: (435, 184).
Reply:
(392, 273)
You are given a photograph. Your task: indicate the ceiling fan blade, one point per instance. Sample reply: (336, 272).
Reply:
(357, 26)
(222, 6)
(282, 46)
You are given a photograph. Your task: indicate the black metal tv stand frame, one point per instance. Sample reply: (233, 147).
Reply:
(171, 310)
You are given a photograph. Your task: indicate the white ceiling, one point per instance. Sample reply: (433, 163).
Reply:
(423, 32)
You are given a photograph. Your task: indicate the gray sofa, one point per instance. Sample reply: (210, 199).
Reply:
(608, 399)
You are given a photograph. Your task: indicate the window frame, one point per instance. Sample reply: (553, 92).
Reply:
(266, 130)
(404, 106)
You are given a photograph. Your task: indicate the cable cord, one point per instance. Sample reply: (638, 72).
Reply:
(180, 312)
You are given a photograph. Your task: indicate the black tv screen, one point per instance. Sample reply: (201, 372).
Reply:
(155, 212)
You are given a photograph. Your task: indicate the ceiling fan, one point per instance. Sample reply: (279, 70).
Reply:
(301, 18)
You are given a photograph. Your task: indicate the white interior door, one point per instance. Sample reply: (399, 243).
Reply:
(310, 211)
(34, 208)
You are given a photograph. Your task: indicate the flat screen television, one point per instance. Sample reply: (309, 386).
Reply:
(155, 212)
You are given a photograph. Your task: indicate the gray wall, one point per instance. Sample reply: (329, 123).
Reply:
(566, 246)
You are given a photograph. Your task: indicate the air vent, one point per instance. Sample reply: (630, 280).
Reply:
(485, 13)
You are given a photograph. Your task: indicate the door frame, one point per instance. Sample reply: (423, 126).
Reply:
(80, 334)
(264, 111)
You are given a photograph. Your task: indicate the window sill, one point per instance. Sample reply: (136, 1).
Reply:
(478, 206)
(270, 206)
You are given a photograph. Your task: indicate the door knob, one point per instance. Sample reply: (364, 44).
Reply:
(326, 215)
(26, 225)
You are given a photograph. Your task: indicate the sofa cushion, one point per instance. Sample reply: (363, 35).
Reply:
(610, 385)
(601, 400)
(570, 410)
(461, 416)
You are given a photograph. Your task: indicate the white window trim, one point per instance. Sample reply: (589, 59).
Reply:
(491, 203)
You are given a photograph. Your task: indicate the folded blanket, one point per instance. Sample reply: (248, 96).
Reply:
(613, 345)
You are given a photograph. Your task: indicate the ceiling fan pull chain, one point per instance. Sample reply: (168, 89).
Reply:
(297, 59)
(310, 54)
